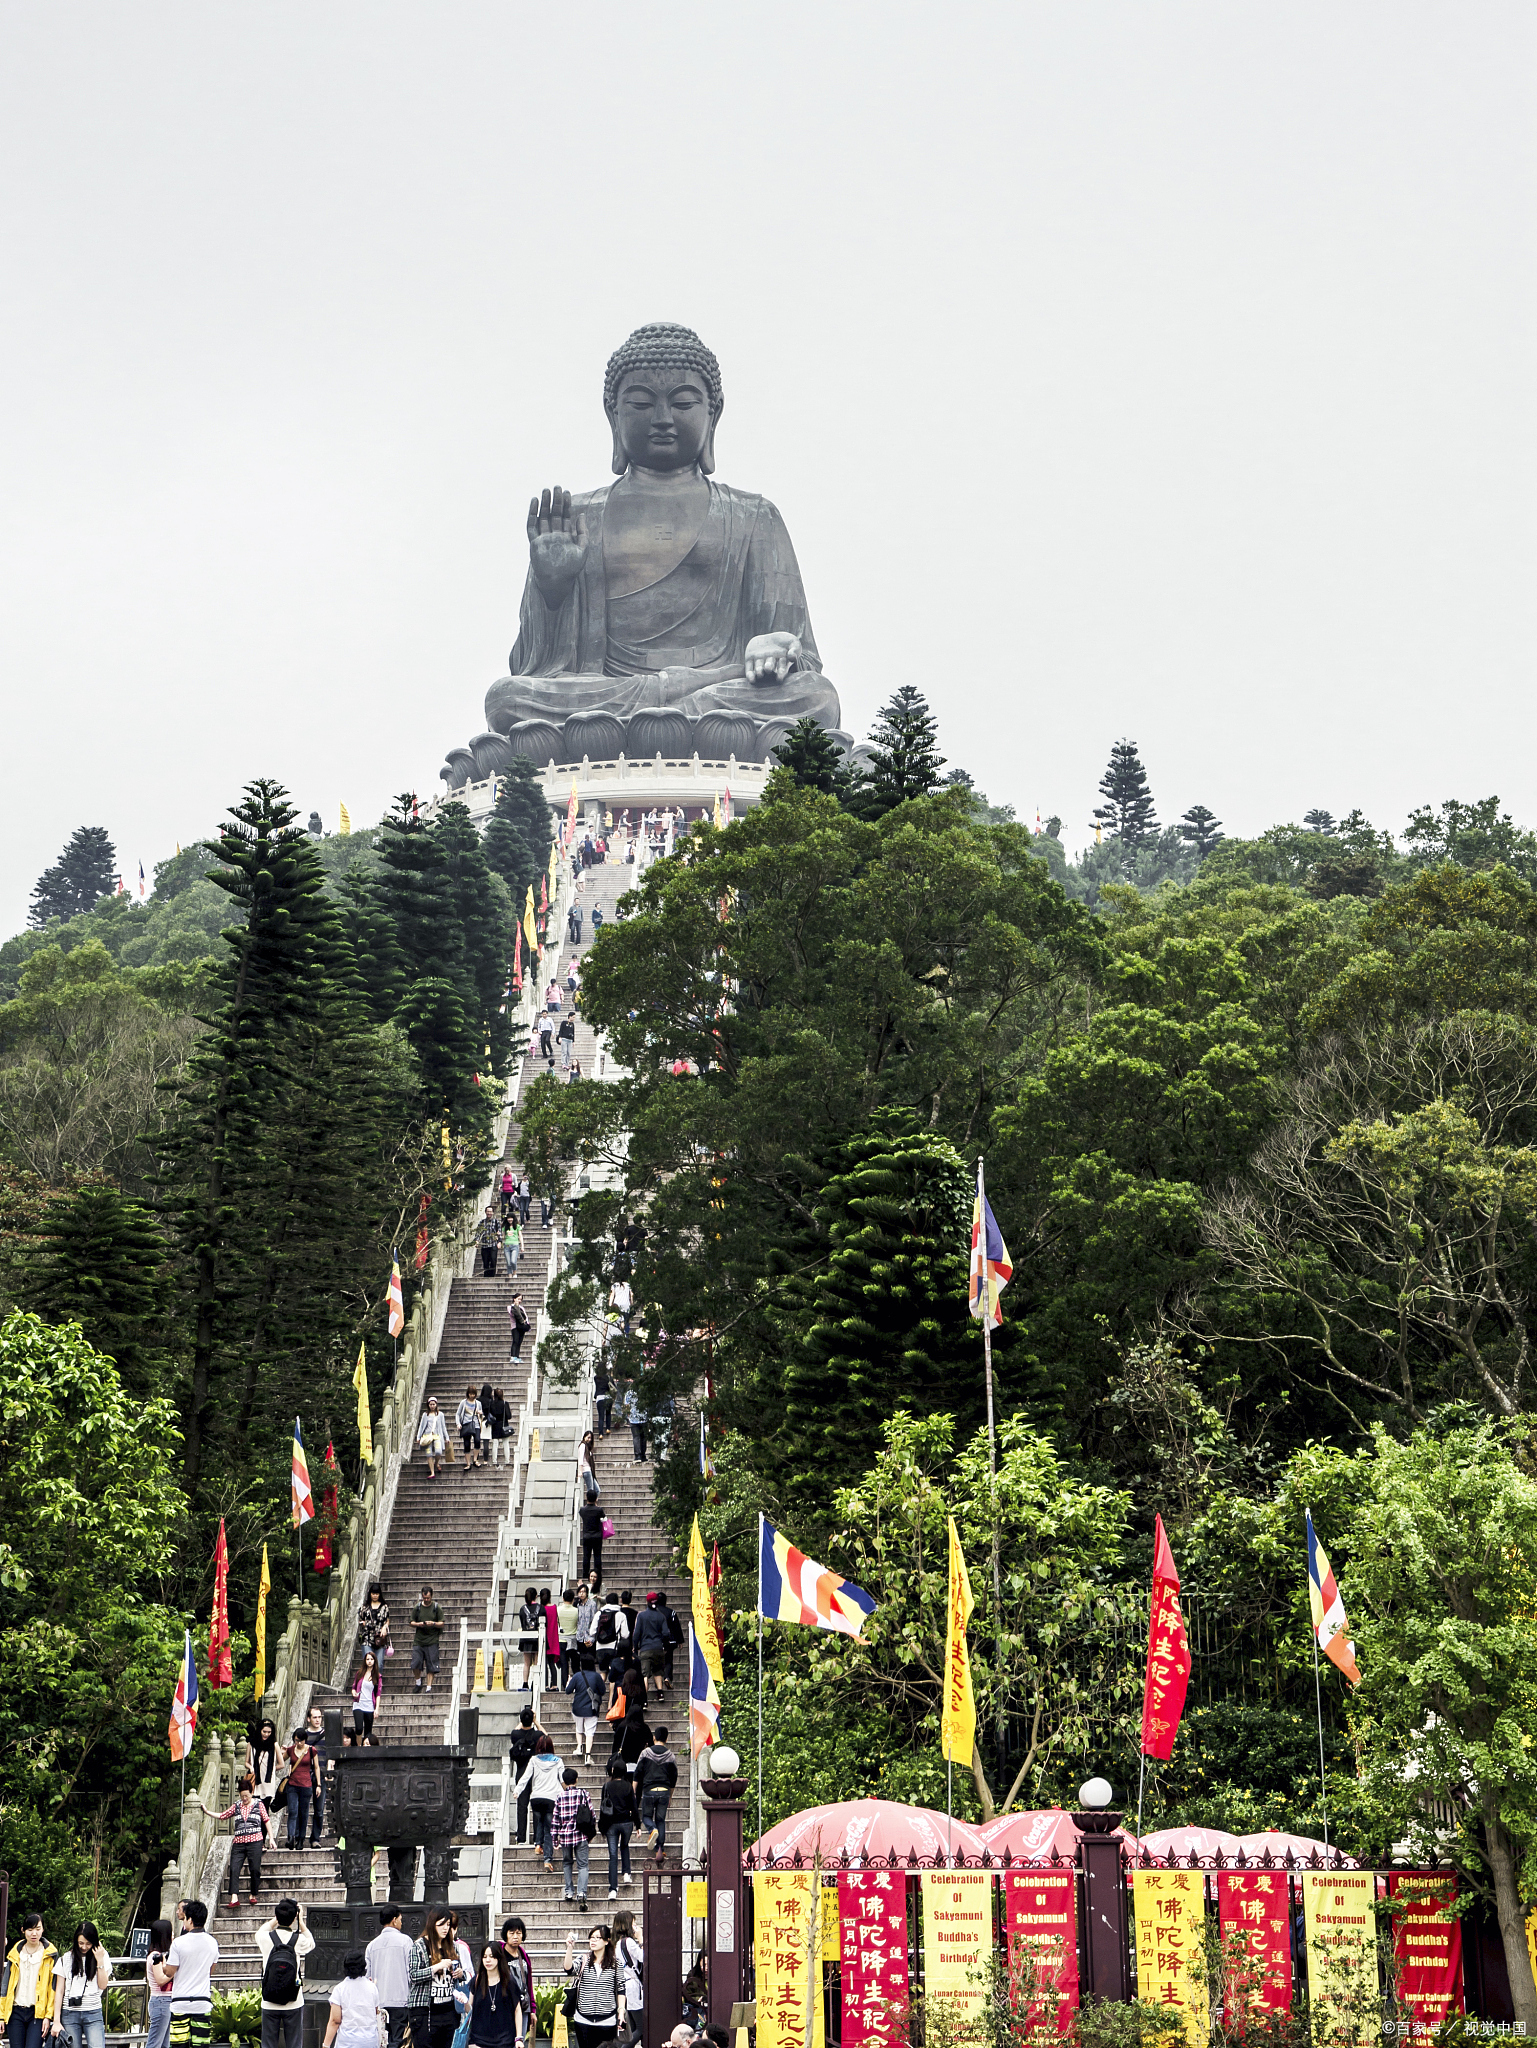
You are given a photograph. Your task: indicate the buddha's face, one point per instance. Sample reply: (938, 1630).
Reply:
(664, 418)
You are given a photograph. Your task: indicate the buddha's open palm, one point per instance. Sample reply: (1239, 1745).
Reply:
(772, 655)
(557, 543)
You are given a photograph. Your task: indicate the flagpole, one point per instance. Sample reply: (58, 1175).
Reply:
(760, 1674)
(1141, 1778)
(985, 1280)
(1318, 1691)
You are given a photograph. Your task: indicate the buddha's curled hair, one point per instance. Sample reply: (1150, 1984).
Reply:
(660, 345)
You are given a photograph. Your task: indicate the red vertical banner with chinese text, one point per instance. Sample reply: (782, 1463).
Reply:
(1041, 1917)
(1427, 1944)
(787, 1956)
(1169, 1907)
(1168, 1656)
(872, 1952)
(1255, 1905)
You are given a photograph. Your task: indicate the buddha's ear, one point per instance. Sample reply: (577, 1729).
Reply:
(707, 453)
(619, 462)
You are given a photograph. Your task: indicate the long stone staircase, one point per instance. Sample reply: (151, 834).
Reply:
(443, 1532)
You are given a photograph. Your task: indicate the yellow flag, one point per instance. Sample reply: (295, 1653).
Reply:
(345, 825)
(365, 1421)
(530, 936)
(263, 1589)
(958, 1717)
(706, 1634)
(717, 811)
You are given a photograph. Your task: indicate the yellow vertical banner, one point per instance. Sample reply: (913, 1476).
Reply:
(1344, 1991)
(1169, 1907)
(263, 1589)
(958, 1713)
(958, 1941)
(787, 1950)
(832, 1945)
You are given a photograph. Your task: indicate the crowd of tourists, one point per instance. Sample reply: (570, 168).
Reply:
(432, 1991)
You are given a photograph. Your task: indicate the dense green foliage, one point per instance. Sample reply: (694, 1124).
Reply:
(1261, 1142)
(219, 1110)
(89, 1518)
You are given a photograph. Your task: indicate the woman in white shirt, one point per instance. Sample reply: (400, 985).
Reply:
(367, 1691)
(354, 2019)
(80, 1976)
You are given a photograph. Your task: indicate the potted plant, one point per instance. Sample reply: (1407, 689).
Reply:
(547, 1999)
(236, 2016)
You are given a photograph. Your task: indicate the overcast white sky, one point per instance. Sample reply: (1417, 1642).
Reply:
(1119, 370)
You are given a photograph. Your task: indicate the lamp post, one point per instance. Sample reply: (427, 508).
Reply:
(725, 1934)
(1104, 1892)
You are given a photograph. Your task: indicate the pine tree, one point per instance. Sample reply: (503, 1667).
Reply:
(98, 1259)
(1127, 812)
(483, 910)
(519, 830)
(272, 1177)
(904, 761)
(1319, 821)
(1201, 829)
(82, 874)
(814, 758)
(882, 1323)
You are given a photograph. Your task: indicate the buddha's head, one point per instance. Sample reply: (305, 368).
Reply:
(662, 394)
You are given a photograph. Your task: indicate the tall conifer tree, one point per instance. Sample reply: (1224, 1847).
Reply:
(80, 877)
(1127, 813)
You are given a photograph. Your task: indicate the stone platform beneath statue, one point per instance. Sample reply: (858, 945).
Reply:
(623, 785)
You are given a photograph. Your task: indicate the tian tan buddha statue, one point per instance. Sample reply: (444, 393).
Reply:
(663, 613)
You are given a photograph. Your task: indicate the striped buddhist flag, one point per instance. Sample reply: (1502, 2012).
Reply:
(303, 1499)
(794, 1588)
(1329, 1623)
(991, 1267)
(394, 1299)
(703, 1701)
(184, 1704)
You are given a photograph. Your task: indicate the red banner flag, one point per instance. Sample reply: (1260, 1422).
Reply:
(1254, 1906)
(517, 957)
(221, 1671)
(1041, 1915)
(423, 1236)
(326, 1528)
(1427, 1945)
(872, 1948)
(1168, 1656)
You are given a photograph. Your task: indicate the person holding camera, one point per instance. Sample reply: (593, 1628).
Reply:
(80, 1976)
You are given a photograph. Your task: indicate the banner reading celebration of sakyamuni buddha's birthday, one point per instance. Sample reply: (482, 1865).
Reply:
(957, 1939)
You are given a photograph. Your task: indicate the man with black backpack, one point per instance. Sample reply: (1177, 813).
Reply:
(282, 1944)
(521, 1745)
(611, 1634)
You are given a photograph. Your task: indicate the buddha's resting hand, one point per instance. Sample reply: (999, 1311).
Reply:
(557, 544)
(772, 655)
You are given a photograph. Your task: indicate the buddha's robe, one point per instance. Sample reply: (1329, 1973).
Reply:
(600, 653)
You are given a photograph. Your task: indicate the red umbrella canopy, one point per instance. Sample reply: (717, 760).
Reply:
(876, 1828)
(1188, 1842)
(1032, 1837)
(1300, 1848)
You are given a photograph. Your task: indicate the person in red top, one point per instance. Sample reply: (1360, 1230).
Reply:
(300, 1759)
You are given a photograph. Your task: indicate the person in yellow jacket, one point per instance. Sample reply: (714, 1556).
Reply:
(28, 1996)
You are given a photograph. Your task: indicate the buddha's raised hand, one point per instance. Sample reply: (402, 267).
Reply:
(557, 543)
(772, 654)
